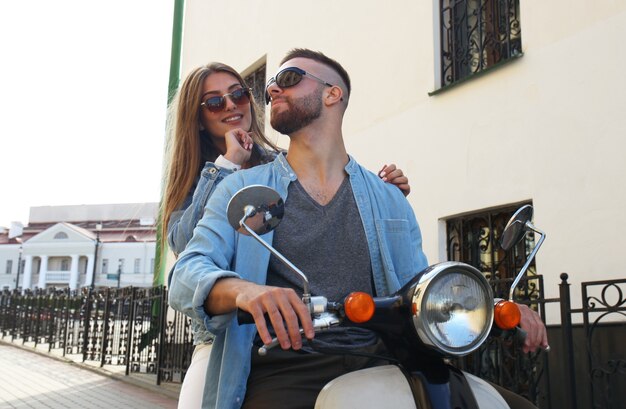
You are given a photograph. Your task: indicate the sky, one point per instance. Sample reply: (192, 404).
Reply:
(83, 102)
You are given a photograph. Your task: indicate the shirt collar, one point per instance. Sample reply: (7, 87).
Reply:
(285, 169)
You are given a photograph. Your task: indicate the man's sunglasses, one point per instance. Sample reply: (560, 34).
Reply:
(217, 104)
(289, 77)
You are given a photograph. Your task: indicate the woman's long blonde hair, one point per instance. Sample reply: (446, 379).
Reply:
(188, 147)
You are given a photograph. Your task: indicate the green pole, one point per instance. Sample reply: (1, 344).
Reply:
(177, 46)
(175, 60)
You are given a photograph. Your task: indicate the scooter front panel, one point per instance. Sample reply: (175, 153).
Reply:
(379, 387)
(486, 395)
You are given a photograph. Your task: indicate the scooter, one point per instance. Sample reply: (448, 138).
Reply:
(446, 311)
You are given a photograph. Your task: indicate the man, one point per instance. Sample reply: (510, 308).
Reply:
(345, 228)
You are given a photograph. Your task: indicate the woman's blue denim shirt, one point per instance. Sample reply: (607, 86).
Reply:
(216, 251)
(184, 220)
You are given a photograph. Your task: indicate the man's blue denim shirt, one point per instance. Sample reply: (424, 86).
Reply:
(216, 251)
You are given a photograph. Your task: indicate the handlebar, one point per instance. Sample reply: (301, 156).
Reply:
(244, 317)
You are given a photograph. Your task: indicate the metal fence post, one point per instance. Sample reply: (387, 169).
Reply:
(52, 331)
(38, 317)
(131, 324)
(68, 303)
(87, 307)
(105, 326)
(568, 343)
(16, 307)
(27, 301)
(162, 326)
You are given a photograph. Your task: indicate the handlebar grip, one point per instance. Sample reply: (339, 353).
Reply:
(519, 336)
(244, 317)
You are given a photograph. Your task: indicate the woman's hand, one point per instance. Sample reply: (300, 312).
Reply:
(238, 146)
(395, 176)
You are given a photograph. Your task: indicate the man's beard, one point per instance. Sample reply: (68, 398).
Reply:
(300, 113)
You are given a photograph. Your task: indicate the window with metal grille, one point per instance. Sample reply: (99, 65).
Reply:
(256, 81)
(475, 35)
(137, 266)
(9, 268)
(475, 239)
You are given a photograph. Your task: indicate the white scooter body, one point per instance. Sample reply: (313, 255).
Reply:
(387, 387)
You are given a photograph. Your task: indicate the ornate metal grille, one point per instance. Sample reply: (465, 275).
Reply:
(499, 360)
(128, 326)
(475, 239)
(477, 34)
(604, 305)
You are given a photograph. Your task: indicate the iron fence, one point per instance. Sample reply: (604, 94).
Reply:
(594, 372)
(131, 327)
(135, 328)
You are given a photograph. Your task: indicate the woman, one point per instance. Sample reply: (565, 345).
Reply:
(214, 131)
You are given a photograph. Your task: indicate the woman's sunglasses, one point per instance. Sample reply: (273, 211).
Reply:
(289, 77)
(217, 104)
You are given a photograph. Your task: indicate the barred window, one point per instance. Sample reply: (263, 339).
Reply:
(137, 266)
(9, 268)
(476, 35)
(256, 81)
(475, 239)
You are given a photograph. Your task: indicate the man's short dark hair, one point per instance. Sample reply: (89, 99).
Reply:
(321, 58)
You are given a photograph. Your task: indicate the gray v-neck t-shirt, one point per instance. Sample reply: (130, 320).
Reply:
(328, 244)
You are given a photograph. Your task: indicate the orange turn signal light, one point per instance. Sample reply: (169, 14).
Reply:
(507, 314)
(359, 307)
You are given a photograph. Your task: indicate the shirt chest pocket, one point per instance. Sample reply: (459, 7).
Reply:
(396, 248)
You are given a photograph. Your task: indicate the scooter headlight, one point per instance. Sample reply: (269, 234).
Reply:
(453, 308)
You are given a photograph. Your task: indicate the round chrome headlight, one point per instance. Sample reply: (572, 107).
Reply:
(453, 308)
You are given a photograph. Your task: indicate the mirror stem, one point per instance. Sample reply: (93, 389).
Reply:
(250, 211)
(542, 236)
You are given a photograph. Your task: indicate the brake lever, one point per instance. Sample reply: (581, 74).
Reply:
(321, 323)
(266, 347)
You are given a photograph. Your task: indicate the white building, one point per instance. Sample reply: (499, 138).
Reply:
(543, 125)
(69, 246)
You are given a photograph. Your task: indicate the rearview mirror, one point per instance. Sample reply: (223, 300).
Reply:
(259, 207)
(516, 228)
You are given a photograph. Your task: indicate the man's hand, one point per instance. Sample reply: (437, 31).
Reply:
(536, 334)
(238, 146)
(395, 176)
(284, 309)
(282, 306)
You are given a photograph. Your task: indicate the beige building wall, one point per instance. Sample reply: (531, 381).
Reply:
(549, 126)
